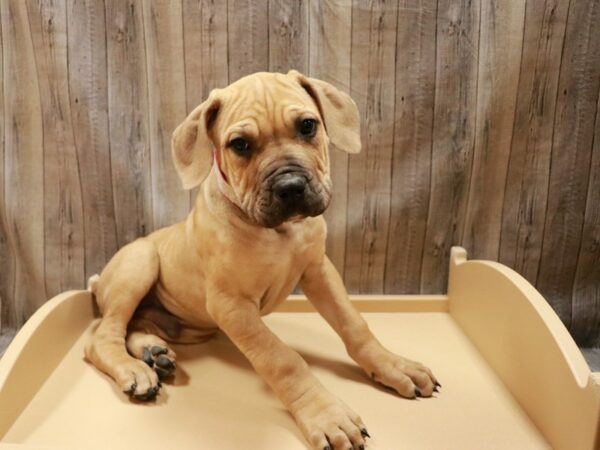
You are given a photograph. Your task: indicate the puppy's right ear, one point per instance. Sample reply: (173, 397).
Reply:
(191, 145)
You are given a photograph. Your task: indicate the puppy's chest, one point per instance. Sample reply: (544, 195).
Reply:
(268, 262)
(271, 269)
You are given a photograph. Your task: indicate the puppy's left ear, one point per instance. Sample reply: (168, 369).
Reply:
(338, 111)
(191, 146)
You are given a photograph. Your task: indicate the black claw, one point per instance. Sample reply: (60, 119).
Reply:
(361, 447)
(365, 433)
(327, 448)
(147, 357)
(156, 350)
(164, 363)
(418, 393)
(131, 389)
(435, 389)
(438, 384)
(149, 395)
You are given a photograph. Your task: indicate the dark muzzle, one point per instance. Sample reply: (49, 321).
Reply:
(293, 192)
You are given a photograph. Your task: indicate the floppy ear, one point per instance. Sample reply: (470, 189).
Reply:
(191, 145)
(338, 111)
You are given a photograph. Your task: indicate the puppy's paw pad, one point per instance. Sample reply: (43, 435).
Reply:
(159, 360)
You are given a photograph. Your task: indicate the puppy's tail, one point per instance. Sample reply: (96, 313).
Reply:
(93, 283)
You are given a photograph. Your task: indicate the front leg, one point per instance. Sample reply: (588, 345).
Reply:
(324, 288)
(325, 421)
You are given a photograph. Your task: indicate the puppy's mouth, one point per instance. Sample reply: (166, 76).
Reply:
(290, 192)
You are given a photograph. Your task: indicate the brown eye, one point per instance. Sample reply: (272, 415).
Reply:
(307, 128)
(240, 146)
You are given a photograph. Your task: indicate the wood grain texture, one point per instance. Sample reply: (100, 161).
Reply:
(128, 110)
(288, 35)
(369, 173)
(453, 136)
(7, 256)
(205, 39)
(571, 155)
(330, 60)
(413, 127)
(586, 288)
(500, 45)
(24, 170)
(479, 128)
(86, 53)
(526, 191)
(163, 32)
(63, 207)
(248, 31)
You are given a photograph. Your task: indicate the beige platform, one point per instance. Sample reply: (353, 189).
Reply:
(512, 378)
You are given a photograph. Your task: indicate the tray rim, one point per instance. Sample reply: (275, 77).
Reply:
(79, 304)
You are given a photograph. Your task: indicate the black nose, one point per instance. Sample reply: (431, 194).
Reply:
(289, 187)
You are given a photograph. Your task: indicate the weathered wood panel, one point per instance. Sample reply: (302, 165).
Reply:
(163, 32)
(413, 133)
(7, 257)
(453, 136)
(248, 31)
(369, 173)
(24, 162)
(571, 155)
(500, 39)
(86, 54)
(479, 128)
(525, 196)
(288, 35)
(63, 208)
(205, 38)
(128, 110)
(586, 289)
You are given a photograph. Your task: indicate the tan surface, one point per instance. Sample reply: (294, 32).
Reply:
(217, 401)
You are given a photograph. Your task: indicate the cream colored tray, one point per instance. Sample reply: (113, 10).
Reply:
(512, 378)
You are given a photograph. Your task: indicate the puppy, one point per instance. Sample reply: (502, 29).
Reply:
(259, 149)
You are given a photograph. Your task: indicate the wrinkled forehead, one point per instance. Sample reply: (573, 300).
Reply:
(266, 99)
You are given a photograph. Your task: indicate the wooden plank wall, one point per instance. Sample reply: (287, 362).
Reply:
(480, 127)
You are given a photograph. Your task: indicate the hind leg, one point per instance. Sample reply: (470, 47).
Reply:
(124, 282)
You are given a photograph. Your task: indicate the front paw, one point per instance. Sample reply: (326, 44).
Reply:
(328, 424)
(410, 379)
